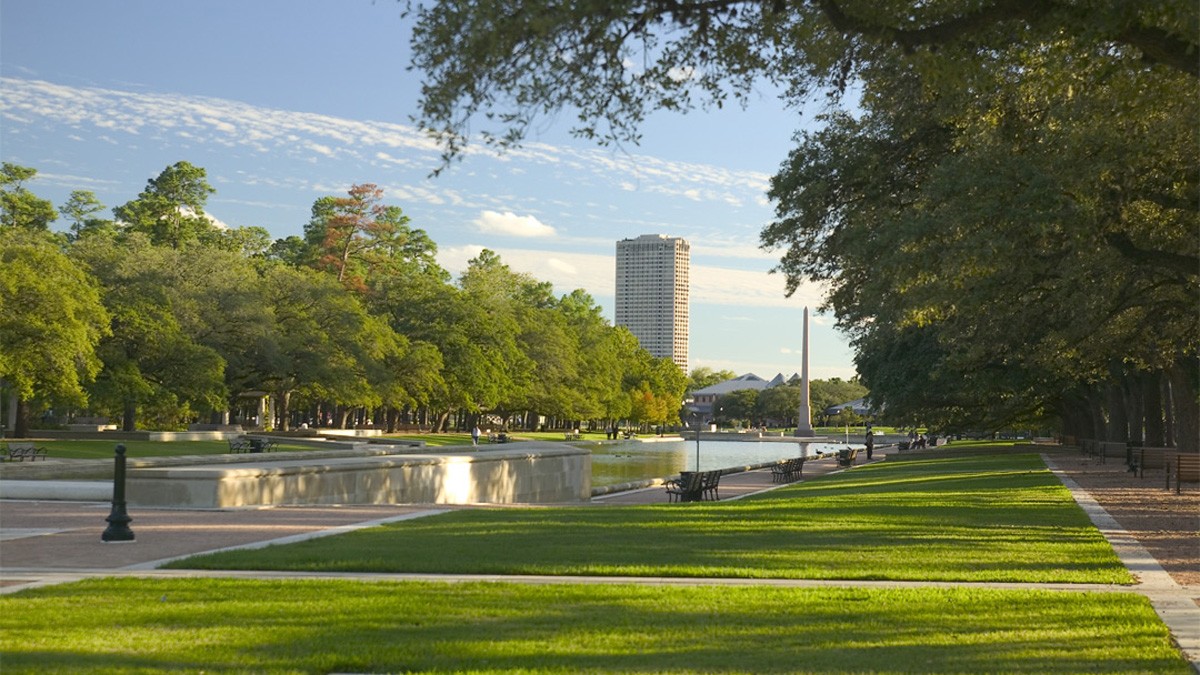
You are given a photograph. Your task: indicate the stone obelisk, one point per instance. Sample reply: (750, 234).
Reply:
(804, 414)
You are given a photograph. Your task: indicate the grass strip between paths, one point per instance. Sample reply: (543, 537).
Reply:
(998, 519)
(218, 625)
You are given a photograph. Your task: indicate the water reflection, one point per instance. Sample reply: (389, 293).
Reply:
(632, 461)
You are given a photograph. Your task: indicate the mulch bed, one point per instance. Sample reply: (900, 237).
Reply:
(1167, 524)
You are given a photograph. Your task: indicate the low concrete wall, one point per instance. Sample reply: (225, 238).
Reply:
(550, 474)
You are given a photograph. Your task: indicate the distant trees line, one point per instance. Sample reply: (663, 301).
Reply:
(159, 317)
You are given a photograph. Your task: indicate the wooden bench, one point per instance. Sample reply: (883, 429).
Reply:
(19, 452)
(1150, 458)
(788, 470)
(847, 457)
(1186, 469)
(694, 486)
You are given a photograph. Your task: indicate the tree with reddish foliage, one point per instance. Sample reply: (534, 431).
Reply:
(357, 234)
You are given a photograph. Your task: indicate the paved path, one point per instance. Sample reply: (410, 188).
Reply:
(43, 542)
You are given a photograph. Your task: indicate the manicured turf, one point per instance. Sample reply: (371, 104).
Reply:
(137, 625)
(103, 449)
(1003, 518)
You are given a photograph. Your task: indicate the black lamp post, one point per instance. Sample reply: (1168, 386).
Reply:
(118, 519)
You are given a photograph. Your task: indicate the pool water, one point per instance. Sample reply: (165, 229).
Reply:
(636, 460)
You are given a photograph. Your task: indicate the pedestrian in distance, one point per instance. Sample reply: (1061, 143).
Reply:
(870, 443)
(475, 435)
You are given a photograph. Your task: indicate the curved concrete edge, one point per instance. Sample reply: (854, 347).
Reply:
(57, 490)
(1172, 602)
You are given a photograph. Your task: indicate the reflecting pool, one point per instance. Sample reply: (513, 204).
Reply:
(635, 460)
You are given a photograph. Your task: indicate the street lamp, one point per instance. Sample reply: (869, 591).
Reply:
(696, 419)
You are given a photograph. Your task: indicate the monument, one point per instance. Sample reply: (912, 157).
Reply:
(804, 414)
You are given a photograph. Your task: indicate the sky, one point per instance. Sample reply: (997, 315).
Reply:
(285, 101)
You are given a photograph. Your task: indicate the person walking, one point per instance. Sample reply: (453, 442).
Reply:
(870, 443)
(475, 435)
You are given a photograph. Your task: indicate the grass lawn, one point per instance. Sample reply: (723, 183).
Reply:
(1001, 518)
(212, 625)
(103, 449)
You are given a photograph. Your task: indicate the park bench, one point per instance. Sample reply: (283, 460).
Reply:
(1185, 468)
(1091, 448)
(572, 435)
(694, 486)
(258, 444)
(251, 444)
(19, 452)
(847, 457)
(1150, 458)
(497, 437)
(787, 470)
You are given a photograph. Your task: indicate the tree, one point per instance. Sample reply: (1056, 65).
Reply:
(80, 208)
(157, 368)
(19, 207)
(780, 404)
(51, 320)
(323, 345)
(737, 407)
(703, 376)
(357, 237)
(613, 62)
(170, 210)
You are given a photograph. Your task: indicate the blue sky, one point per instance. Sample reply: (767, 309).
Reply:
(283, 102)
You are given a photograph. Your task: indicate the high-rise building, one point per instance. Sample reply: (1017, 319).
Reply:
(652, 294)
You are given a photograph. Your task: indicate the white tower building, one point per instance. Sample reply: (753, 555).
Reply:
(652, 294)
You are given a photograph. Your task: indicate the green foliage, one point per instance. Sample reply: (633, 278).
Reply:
(704, 376)
(170, 211)
(358, 315)
(20, 208)
(51, 320)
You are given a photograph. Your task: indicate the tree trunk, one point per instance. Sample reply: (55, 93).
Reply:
(1117, 428)
(1152, 403)
(285, 410)
(1135, 407)
(1184, 392)
(129, 419)
(1168, 407)
(21, 424)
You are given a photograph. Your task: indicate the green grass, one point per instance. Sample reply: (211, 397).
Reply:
(103, 449)
(1003, 518)
(210, 625)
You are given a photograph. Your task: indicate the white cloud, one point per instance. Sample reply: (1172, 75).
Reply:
(560, 266)
(510, 224)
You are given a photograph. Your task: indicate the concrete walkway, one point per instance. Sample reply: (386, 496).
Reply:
(50, 542)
